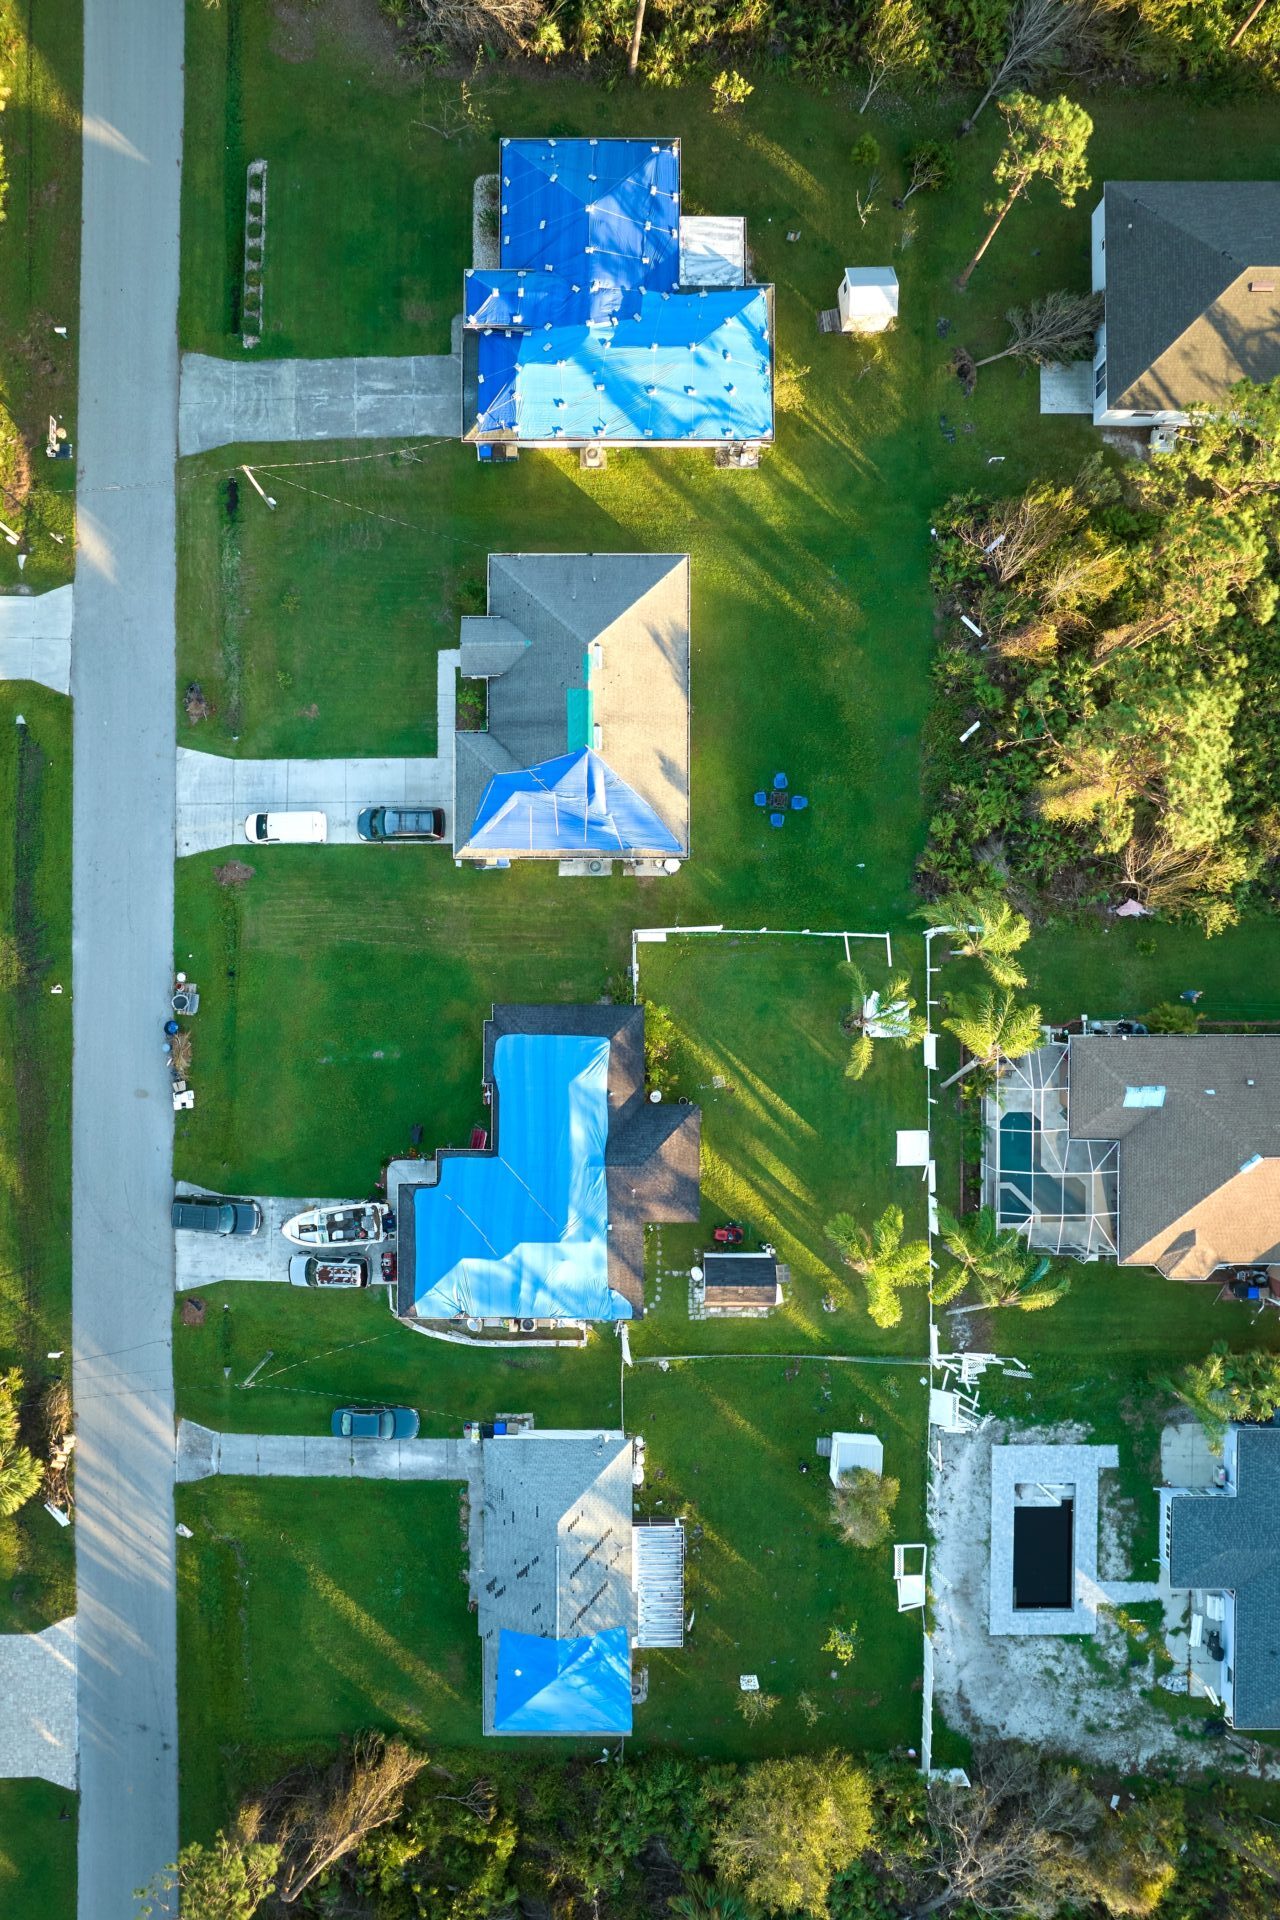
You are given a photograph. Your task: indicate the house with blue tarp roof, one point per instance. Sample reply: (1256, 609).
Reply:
(612, 318)
(546, 1223)
(584, 756)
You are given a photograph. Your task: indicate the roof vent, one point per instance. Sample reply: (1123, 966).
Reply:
(1144, 1096)
(1254, 1160)
(1262, 286)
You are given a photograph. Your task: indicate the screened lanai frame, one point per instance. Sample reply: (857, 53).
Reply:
(1062, 1194)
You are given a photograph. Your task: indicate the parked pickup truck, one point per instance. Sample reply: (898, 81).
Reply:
(313, 1270)
(205, 1213)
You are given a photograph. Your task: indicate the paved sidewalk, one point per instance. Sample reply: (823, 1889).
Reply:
(233, 402)
(38, 1691)
(35, 637)
(203, 1453)
(122, 683)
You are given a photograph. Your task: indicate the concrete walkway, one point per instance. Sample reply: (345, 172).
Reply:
(217, 792)
(233, 402)
(203, 1453)
(38, 1689)
(35, 637)
(122, 681)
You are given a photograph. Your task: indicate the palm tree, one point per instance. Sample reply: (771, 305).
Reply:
(993, 1027)
(887, 1013)
(999, 1263)
(20, 1472)
(887, 1263)
(987, 928)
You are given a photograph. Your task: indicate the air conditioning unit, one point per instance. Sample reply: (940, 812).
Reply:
(595, 866)
(1163, 439)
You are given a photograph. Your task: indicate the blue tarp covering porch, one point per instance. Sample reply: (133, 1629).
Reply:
(563, 1686)
(523, 1231)
(572, 804)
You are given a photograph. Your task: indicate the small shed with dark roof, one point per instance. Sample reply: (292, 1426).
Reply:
(1230, 1543)
(1190, 271)
(741, 1283)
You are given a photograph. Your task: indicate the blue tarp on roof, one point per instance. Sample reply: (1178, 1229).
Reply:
(523, 1231)
(583, 331)
(563, 1686)
(573, 804)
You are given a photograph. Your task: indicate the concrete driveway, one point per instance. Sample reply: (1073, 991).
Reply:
(207, 1259)
(232, 402)
(217, 793)
(202, 1453)
(35, 637)
(38, 1688)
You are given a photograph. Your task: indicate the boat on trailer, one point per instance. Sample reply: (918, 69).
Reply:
(356, 1225)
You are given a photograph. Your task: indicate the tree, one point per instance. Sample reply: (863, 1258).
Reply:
(1045, 140)
(986, 928)
(20, 1472)
(888, 1264)
(1225, 1387)
(790, 1827)
(898, 44)
(930, 166)
(1059, 327)
(888, 1015)
(729, 90)
(1041, 33)
(637, 32)
(998, 1262)
(226, 1881)
(862, 1507)
(1173, 1016)
(1012, 1842)
(318, 1816)
(993, 1027)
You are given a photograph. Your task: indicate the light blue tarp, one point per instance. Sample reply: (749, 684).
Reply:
(523, 1231)
(583, 331)
(573, 804)
(563, 1686)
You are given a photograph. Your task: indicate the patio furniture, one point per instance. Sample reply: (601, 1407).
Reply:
(910, 1580)
(780, 780)
(798, 803)
(761, 798)
(776, 819)
(779, 799)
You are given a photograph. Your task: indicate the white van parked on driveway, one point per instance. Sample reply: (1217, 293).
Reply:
(290, 829)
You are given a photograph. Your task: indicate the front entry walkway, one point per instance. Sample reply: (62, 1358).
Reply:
(203, 1453)
(35, 637)
(38, 1688)
(230, 402)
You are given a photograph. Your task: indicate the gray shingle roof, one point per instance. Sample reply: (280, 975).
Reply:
(636, 605)
(554, 1540)
(1232, 1543)
(1182, 322)
(1182, 1163)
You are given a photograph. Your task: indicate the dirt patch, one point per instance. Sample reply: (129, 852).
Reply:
(15, 462)
(309, 713)
(359, 26)
(192, 1313)
(234, 873)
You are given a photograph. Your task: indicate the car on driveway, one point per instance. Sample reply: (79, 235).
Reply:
(374, 1423)
(286, 829)
(401, 823)
(206, 1213)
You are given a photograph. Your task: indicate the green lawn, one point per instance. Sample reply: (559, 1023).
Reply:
(37, 1851)
(787, 1139)
(308, 1610)
(37, 1583)
(40, 61)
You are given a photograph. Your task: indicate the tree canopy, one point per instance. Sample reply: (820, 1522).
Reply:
(791, 1825)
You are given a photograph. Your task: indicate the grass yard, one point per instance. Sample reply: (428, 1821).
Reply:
(308, 1610)
(787, 1139)
(37, 1851)
(767, 1577)
(40, 61)
(37, 1581)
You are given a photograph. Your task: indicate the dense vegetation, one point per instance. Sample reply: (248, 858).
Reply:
(1123, 661)
(901, 44)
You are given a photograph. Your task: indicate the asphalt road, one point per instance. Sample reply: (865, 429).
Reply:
(122, 680)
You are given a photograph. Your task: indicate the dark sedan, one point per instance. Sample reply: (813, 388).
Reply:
(374, 1423)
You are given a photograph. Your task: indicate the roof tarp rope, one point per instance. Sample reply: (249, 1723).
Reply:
(523, 1231)
(563, 1686)
(573, 804)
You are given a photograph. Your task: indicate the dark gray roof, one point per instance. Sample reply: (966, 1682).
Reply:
(1221, 1108)
(740, 1270)
(653, 1154)
(546, 610)
(1231, 1542)
(1182, 321)
(554, 1540)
